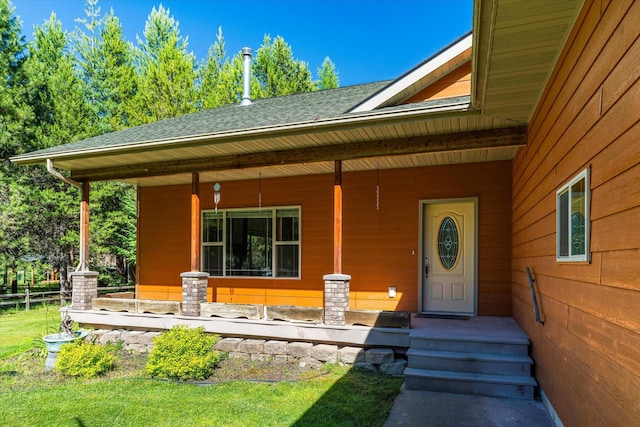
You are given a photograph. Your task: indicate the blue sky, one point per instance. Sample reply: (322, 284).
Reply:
(367, 40)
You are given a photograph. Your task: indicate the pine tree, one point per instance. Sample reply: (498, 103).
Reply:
(166, 71)
(62, 113)
(15, 132)
(106, 61)
(327, 75)
(278, 72)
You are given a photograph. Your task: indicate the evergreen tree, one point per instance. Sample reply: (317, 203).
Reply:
(15, 132)
(327, 75)
(166, 71)
(14, 111)
(106, 61)
(62, 115)
(278, 72)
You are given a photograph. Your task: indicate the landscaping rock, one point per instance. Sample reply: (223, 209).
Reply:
(396, 368)
(228, 344)
(378, 356)
(351, 355)
(275, 347)
(299, 349)
(251, 346)
(325, 353)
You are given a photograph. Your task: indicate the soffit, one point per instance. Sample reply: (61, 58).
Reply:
(377, 163)
(516, 46)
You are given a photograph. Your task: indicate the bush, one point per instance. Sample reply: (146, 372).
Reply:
(184, 354)
(84, 359)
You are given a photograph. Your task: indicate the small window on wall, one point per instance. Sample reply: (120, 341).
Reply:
(250, 242)
(572, 211)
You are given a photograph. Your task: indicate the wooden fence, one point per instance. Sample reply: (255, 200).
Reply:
(50, 297)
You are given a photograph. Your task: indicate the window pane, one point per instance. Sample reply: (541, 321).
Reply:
(578, 207)
(249, 243)
(288, 260)
(448, 243)
(212, 227)
(563, 224)
(287, 225)
(212, 260)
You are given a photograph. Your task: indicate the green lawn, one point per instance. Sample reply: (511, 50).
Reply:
(29, 396)
(19, 328)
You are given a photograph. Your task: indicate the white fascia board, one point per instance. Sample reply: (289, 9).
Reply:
(415, 75)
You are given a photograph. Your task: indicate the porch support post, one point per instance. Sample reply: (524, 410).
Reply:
(336, 285)
(84, 282)
(195, 221)
(337, 219)
(194, 282)
(194, 292)
(336, 298)
(84, 227)
(85, 289)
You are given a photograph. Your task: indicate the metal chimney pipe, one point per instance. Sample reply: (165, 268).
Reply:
(246, 75)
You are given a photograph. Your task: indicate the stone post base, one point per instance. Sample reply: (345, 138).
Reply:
(194, 292)
(336, 298)
(85, 289)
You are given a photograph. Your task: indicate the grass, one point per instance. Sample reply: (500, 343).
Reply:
(19, 328)
(30, 396)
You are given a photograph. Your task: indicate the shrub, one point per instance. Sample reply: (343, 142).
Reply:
(84, 359)
(184, 354)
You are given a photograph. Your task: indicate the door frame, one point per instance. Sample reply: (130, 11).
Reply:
(421, 206)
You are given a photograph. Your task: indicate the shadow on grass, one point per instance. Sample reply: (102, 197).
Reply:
(359, 398)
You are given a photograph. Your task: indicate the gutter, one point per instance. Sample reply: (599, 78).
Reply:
(83, 246)
(61, 177)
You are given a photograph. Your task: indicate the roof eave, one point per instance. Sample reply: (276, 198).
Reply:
(348, 121)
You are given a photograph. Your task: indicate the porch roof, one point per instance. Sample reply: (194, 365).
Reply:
(514, 50)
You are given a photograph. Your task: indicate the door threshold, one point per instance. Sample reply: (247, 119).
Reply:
(442, 316)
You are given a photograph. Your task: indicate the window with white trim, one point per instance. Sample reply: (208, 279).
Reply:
(572, 219)
(261, 242)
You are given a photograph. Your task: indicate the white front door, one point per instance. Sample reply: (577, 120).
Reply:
(449, 257)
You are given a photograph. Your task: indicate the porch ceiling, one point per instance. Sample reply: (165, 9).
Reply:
(461, 138)
(516, 46)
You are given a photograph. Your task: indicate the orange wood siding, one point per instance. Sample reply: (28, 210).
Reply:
(588, 351)
(380, 246)
(456, 83)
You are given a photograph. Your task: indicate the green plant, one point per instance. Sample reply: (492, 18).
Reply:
(84, 359)
(183, 353)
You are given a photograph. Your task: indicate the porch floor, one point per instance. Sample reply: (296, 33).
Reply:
(482, 328)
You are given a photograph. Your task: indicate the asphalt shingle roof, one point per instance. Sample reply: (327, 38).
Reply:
(262, 113)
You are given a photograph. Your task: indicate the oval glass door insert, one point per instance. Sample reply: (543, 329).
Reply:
(448, 243)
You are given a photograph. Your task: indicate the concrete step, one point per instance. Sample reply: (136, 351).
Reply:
(510, 386)
(497, 364)
(473, 344)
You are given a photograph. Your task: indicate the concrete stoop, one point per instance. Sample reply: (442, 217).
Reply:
(477, 365)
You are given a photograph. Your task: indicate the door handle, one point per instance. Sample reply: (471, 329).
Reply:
(426, 266)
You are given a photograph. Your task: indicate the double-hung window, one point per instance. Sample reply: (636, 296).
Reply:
(261, 242)
(572, 219)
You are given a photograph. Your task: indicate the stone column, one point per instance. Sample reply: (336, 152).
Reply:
(194, 292)
(85, 289)
(336, 298)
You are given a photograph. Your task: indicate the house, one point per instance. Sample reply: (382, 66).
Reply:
(510, 155)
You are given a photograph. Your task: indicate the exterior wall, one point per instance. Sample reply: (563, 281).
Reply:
(380, 247)
(456, 83)
(588, 351)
